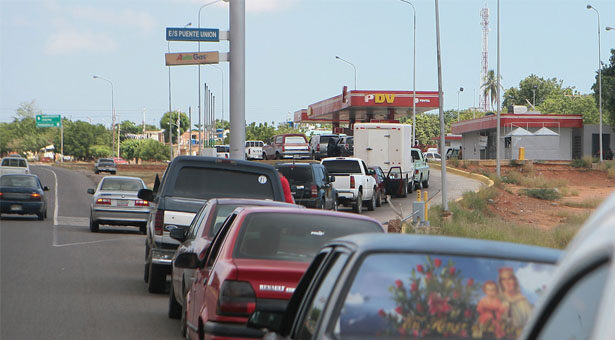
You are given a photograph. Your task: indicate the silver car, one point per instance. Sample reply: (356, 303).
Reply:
(115, 202)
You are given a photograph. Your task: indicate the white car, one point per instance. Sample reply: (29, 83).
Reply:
(223, 151)
(431, 156)
(254, 149)
(14, 165)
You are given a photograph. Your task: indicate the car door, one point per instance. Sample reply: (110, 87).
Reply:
(394, 182)
(327, 187)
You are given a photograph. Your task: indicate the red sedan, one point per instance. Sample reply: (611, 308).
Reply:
(256, 259)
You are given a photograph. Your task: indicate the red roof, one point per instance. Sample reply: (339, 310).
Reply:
(518, 120)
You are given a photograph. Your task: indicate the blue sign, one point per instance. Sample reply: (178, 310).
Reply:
(193, 34)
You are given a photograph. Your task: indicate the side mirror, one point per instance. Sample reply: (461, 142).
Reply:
(272, 321)
(331, 178)
(178, 233)
(146, 194)
(187, 260)
(45, 188)
(90, 191)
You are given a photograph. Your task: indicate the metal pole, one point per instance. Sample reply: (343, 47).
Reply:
(355, 69)
(497, 142)
(119, 127)
(238, 78)
(222, 78)
(179, 153)
(61, 140)
(206, 117)
(112, 114)
(144, 120)
(413, 72)
(441, 111)
(599, 83)
(170, 128)
(190, 129)
(200, 146)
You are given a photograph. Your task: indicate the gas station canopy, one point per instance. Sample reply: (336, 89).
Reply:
(367, 105)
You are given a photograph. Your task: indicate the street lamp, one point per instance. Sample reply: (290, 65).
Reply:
(599, 81)
(222, 90)
(355, 69)
(413, 72)
(534, 96)
(170, 109)
(458, 92)
(610, 28)
(112, 117)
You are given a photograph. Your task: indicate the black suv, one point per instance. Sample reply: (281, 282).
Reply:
(188, 182)
(105, 165)
(310, 184)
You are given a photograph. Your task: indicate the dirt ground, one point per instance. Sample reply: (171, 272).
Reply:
(583, 187)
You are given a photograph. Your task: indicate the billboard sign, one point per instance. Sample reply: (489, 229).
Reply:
(192, 58)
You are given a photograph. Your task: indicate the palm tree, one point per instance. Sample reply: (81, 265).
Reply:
(490, 87)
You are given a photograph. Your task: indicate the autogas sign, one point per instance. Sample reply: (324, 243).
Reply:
(192, 58)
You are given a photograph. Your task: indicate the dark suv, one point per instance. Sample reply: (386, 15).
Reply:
(310, 184)
(188, 182)
(105, 165)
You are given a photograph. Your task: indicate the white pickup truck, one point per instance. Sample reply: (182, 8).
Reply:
(14, 165)
(354, 182)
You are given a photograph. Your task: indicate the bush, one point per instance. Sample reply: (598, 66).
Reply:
(543, 193)
(585, 162)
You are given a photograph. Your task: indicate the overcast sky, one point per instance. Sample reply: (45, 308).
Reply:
(49, 51)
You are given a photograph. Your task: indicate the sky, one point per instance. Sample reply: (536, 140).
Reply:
(50, 50)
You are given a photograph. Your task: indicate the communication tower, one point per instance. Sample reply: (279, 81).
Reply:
(484, 14)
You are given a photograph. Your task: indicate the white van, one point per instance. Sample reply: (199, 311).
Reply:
(254, 149)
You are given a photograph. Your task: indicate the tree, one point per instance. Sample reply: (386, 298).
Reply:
(80, 137)
(572, 105)
(150, 149)
(98, 151)
(490, 87)
(184, 124)
(130, 148)
(222, 124)
(27, 110)
(127, 127)
(608, 88)
(544, 88)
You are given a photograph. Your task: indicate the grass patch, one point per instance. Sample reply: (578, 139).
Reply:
(590, 203)
(548, 194)
(585, 162)
(530, 180)
(610, 173)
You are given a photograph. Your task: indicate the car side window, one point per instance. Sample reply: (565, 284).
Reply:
(278, 140)
(365, 167)
(216, 243)
(316, 302)
(575, 313)
(197, 224)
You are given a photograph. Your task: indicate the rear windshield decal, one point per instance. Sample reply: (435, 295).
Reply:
(262, 179)
(276, 288)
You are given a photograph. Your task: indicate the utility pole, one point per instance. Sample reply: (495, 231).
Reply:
(442, 131)
(190, 129)
(238, 78)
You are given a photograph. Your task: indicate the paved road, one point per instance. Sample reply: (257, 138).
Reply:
(60, 281)
(64, 282)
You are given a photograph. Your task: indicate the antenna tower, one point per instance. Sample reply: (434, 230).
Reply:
(484, 14)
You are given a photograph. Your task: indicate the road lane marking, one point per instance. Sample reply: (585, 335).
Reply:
(87, 242)
(73, 221)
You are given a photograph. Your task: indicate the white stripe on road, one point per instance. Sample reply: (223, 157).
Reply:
(56, 208)
(88, 242)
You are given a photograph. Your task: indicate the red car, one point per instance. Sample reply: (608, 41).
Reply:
(256, 260)
(380, 185)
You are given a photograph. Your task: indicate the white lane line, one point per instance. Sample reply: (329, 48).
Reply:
(87, 242)
(56, 208)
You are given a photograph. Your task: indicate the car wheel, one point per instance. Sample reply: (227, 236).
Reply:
(425, 183)
(45, 213)
(410, 186)
(357, 207)
(278, 156)
(113, 172)
(175, 309)
(156, 278)
(94, 225)
(379, 199)
(182, 323)
(146, 272)
(96, 172)
(417, 185)
(142, 229)
(335, 204)
(41, 216)
(404, 189)
(371, 204)
(321, 204)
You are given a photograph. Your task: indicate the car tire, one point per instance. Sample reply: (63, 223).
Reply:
(335, 204)
(41, 216)
(113, 172)
(278, 156)
(182, 323)
(175, 309)
(321, 204)
(264, 156)
(156, 279)
(410, 187)
(404, 189)
(94, 226)
(357, 206)
(379, 199)
(143, 229)
(425, 183)
(146, 272)
(96, 172)
(371, 204)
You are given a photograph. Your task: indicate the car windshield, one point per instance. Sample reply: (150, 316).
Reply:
(221, 183)
(340, 166)
(296, 174)
(121, 184)
(407, 296)
(19, 181)
(21, 163)
(294, 139)
(292, 236)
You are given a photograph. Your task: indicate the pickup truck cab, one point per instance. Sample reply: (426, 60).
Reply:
(354, 182)
(254, 149)
(14, 165)
(421, 169)
(292, 145)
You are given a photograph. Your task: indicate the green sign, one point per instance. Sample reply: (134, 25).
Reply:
(48, 120)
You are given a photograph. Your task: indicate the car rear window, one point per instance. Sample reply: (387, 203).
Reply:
(325, 139)
(14, 162)
(19, 181)
(206, 183)
(292, 236)
(121, 184)
(342, 166)
(222, 148)
(295, 139)
(437, 297)
(296, 174)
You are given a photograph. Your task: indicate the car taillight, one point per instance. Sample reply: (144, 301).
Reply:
(1, 195)
(283, 148)
(352, 184)
(141, 203)
(35, 196)
(318, 147)
(103, 201)
(237, 298)
(416, 172)
(314, 191)
(226, 155)
(159, 222)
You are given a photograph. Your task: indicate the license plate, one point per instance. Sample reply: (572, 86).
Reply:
(15, 207)
(122, 203)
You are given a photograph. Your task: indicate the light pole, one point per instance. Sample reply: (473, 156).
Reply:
(497, 140)
(458, 92)
(222, 90)
(112, 115)
(170, 109)
(610, 28)
(599, 82)
(441, 114)
(534, 96)
(355, 69)
(413, 71)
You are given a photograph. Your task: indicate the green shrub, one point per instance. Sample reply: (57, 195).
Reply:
(543, 193)
(585, 162)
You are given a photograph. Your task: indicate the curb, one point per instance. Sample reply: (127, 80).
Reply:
(483, 179)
